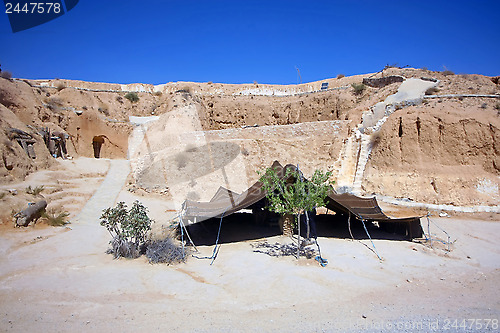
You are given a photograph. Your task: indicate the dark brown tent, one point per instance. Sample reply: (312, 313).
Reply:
(226, 202)
(367, 209)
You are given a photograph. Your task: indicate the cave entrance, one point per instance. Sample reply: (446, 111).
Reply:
(97, 143)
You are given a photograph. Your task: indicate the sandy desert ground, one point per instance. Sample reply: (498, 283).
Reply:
(60, 280)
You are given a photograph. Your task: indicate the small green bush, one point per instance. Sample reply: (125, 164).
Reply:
(358, 88)
(132, 96)
(35, 190)
(128, 229)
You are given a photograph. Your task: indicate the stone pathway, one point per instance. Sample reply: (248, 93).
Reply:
(356, 151)
(108, 191)
(106, 194)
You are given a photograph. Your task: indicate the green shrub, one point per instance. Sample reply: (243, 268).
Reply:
(292, 194)
(128, 229)
(132, 96)
(56, 219)
(358, 88)
(35, 190)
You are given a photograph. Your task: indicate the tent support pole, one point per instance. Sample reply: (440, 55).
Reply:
(349, 225)
(297, 218)
(189, 237)
(429, 229)
(182, 240)
(374, 248)
(308, 226)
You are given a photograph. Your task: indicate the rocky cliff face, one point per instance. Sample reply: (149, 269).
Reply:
(436, 150)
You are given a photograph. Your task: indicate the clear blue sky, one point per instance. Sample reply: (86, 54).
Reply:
(244, 41)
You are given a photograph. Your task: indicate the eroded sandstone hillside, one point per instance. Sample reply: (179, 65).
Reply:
(440, 148)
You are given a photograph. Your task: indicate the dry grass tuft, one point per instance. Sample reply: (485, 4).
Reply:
(56, 219)
(165, 251)
(60, 86)
(375, 138)
(6, 75)
(103, 108)
(35, 190)
(432, 91)
(358, 88)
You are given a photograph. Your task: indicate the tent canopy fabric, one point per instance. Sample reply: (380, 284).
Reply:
(226, 202)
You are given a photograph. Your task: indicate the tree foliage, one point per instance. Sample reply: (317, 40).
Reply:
(292, 194)
(127, 227)
(132, 96)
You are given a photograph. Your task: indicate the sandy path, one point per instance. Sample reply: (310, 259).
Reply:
(66, 283)
(106, 194)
